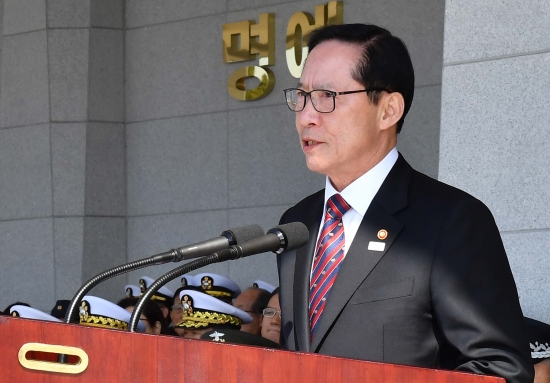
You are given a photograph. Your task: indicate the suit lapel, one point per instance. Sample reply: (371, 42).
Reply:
(304, 258)
(360, 261)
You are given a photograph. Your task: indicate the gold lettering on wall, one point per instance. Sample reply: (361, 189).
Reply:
(246, 41)
(236, 85)
(250, 40)
(300, 26)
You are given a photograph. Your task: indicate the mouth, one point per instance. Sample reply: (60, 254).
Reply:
(309, 143)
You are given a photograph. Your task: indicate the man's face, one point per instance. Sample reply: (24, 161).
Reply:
(244, 302)
(341, 144)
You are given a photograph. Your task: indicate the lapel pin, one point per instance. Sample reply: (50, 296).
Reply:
(376, 246)
(382, 234)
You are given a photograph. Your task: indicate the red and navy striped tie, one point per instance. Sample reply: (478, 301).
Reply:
(328, 257)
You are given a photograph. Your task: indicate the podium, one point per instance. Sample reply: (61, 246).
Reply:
(120, 356)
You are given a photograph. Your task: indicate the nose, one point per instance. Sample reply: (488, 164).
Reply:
(276, 320)
(308, 116)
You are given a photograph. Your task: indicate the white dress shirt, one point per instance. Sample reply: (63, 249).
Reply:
(359, 195)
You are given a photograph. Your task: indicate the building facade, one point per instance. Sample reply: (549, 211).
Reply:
(119, 138)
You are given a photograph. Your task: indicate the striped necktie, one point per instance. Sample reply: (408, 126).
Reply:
(328, 257)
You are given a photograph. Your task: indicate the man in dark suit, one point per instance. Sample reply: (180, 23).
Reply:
(400, 268)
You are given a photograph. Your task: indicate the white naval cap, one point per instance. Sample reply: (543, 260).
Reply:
(164, 294)
(98, 312)
(201, 310)
(218, 286)
(132, 291)
(189, 280)
(263, 285)
(31, 313)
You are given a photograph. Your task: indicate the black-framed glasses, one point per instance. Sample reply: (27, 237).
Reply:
(322, 100)
(269, 312)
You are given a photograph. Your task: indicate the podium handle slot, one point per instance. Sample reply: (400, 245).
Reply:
(43, 357)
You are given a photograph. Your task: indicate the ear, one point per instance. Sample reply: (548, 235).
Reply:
(392, 107)
(165, 311)
(157, 328)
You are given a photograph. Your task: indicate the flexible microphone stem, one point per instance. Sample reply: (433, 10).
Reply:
(228, 238)
(71, 311)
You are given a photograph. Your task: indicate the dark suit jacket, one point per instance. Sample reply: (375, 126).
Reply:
(440, 295)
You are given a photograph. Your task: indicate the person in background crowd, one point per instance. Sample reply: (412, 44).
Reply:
(163, 297)
(202, 313)
(176, 312)
(7, 309)
(28, 312)
(151, 315)
(252, 300)
(263, 285)
(538, 334)
(98, 312)
(25, 311)
(238, 337)
(271, 318)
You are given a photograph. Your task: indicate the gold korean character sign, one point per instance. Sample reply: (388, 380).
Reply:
(300, 26)
(243, 41)
(248, 40)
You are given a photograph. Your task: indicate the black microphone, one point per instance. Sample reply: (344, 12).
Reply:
(228, 238)
(281, 238)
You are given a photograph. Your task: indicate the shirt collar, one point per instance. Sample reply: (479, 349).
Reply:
(360, 193)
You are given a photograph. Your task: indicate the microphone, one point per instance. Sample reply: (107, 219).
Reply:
(228, 238)
(281, 238)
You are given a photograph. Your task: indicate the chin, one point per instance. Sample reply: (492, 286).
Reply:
(315, 166)
(273, 336)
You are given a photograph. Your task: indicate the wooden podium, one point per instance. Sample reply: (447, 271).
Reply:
(119, 356)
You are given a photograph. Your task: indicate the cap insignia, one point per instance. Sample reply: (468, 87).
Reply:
(84, 311)
(207, 283)
(216, 335)
(187, 303)
(142, 285)
(184, 282)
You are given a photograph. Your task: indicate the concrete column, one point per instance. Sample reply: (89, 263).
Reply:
(494, 133)
(62, 156)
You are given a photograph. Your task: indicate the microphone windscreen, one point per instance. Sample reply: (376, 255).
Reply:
(296, 234)
(246, 233)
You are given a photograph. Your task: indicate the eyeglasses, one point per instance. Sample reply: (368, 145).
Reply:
(269, 312)
(323, 100)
